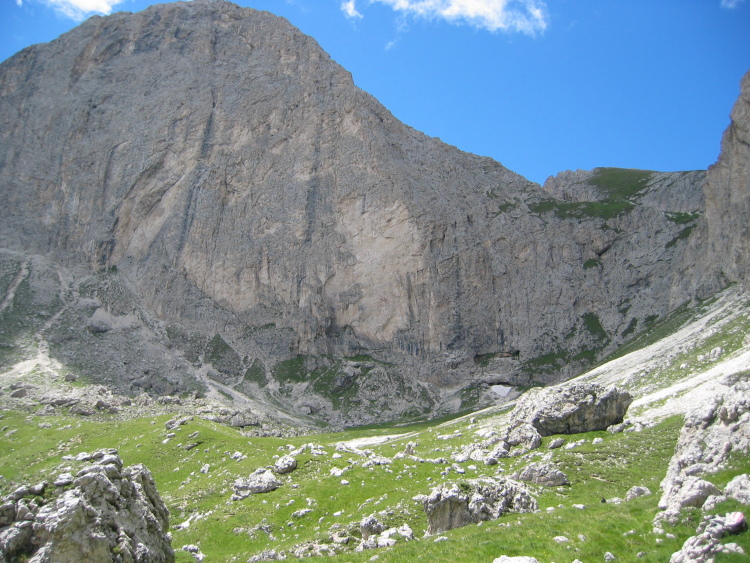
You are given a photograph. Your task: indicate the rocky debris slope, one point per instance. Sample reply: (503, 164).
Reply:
(105, 512)
(267, 208)
(38, 386)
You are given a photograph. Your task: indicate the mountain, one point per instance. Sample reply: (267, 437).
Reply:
(196, 198)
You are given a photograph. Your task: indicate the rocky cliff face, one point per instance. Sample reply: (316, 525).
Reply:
(728, 196)
(286, 236)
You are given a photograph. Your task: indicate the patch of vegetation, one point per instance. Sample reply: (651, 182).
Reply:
(652, 332)
(253, 329)
(361, 358)
(469, 398)
(504, 208)
(620, 183)
(593, 325)
(222, 356)
(337, 386)
(582, 209)
(592, 263)
(256, 373)
(216, 348)
(484, 360)
(630, 329)
(587, 356)
(617, 185)
(546, 362)
(682, 235)
(680, 218)
(291, 370)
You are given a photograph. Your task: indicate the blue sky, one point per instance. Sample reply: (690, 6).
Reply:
(540, 86)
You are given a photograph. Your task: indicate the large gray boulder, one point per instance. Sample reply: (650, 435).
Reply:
(108, 513)
(571, 409)
(542, 473)
(260, 481)
(285, 464)
(452, 505)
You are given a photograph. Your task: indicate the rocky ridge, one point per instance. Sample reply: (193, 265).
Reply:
(242, 238)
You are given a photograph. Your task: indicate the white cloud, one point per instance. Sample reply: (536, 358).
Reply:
(79, 10)
(350, 9)
(731, 4)
(526, 16)
(19, 3)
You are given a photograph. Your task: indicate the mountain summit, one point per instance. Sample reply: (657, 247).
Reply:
(197, 197)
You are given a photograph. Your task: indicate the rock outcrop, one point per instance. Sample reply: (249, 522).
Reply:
(541, 473)
(103, 513)
(452, 505)
(285, 464)
(262, 216)
(711, 432)
(727, 194)
(706, 544)
(571, 408)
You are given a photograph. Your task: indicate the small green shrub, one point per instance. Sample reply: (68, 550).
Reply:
(591, 263)
(592, 324)
(680, 218)
(291, 370)
(682, 235)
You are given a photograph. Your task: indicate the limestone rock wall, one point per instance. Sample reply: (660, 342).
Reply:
(243, 186)
(728, 197)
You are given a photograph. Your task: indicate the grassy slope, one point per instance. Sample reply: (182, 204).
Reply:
(32, 446)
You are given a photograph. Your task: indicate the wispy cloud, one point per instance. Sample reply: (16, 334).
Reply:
(350, 9)
(79, 10)
(731, 4)
(525, 16)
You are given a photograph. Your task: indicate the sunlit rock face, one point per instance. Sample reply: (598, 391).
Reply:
(242, 185)
(728, 196)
